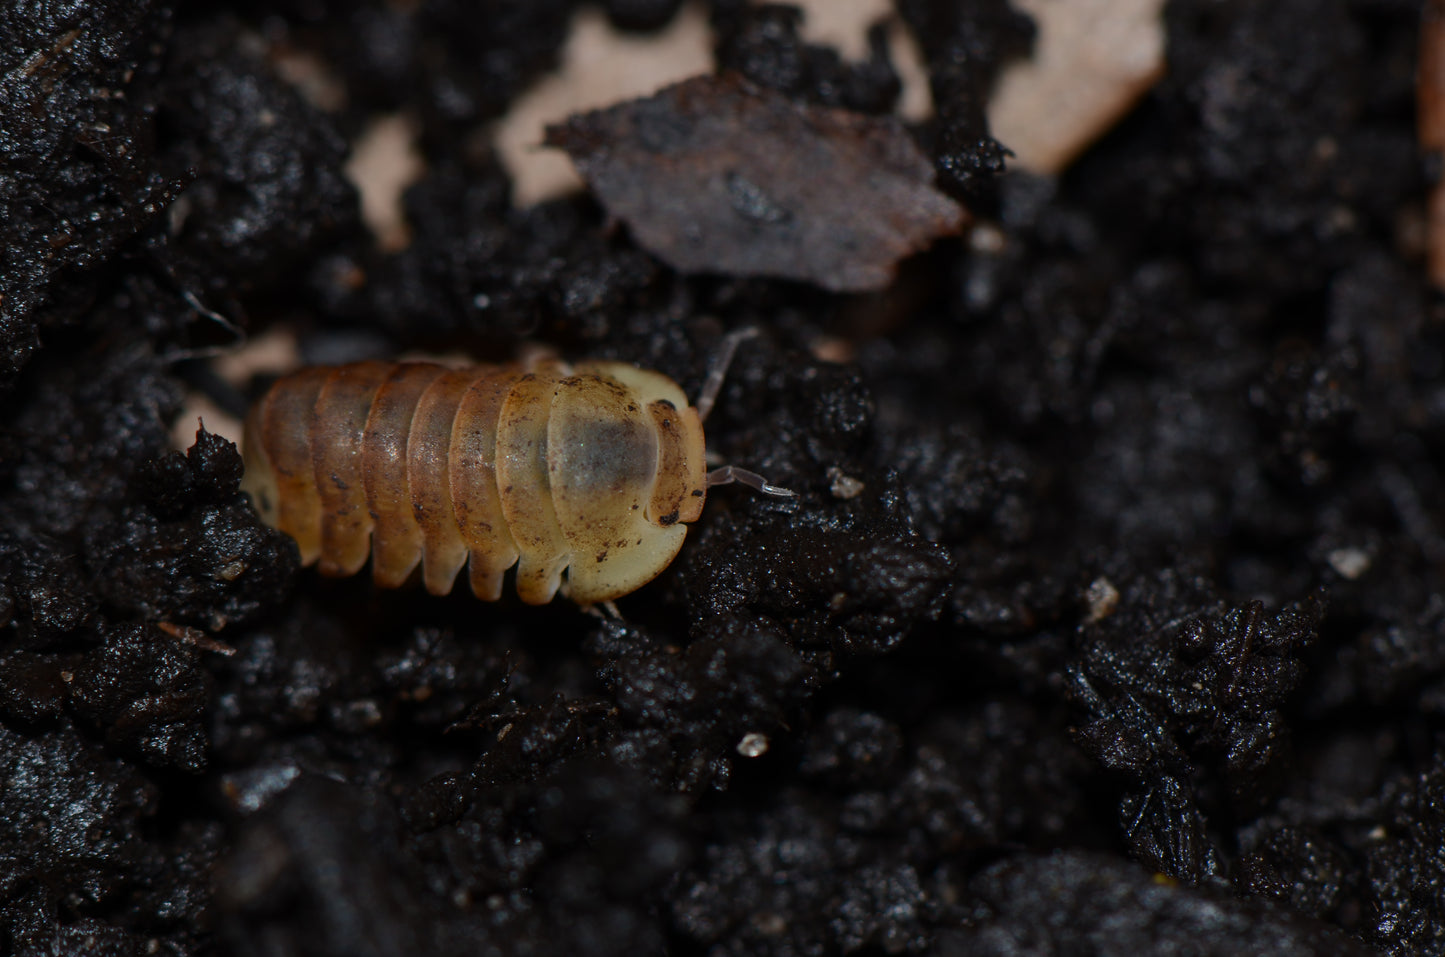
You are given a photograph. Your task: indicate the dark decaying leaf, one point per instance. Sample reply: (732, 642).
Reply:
(717, 175)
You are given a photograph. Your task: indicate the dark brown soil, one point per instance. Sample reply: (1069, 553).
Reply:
(1133, 640)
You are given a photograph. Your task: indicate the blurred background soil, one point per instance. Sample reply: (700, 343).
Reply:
(1108, 619)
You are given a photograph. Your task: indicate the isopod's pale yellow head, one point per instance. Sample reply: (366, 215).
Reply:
(627, 473)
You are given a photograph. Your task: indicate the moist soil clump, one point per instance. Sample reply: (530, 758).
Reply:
(1107, 617)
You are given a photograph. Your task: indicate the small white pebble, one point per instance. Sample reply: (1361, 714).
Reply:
(1103, 599)
(986, 238)
(1351, 563)
(844, 486)
(753, 745)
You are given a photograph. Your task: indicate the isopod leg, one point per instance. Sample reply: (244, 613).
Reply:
(487, 573)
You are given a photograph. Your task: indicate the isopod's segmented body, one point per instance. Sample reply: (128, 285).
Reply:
(591, 469)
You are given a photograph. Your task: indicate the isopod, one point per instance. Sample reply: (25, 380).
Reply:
(592, 469)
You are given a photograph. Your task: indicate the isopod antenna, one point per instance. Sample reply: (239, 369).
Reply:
(707, 398)
(729, 474)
